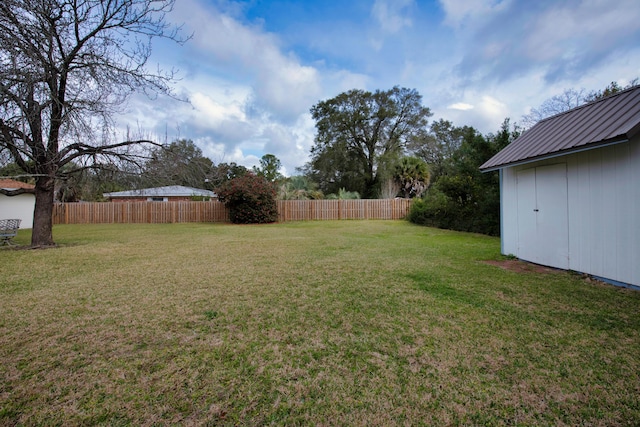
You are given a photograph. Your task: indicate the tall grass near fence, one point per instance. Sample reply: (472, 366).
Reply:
(214, 211)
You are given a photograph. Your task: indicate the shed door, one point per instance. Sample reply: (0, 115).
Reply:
(543, 224)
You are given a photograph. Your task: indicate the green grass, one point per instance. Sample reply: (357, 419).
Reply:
(375, 323)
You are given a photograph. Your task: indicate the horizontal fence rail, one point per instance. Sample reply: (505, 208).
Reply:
(214, 211)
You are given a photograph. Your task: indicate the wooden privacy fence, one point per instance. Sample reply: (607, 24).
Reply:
(309, 210)
(139, 212)
(214, 211)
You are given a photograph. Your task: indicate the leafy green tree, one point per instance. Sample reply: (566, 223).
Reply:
(269, 168)
(463, 198)
(437, 145)
(223, 173)
(611, 89)
(66, 67)
(178, 163)
(14, 171)
(335, 168)
(359, 133)
(251, 199)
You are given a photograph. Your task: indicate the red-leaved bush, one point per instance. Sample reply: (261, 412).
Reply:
(251, 199)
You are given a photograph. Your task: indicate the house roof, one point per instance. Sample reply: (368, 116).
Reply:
(169, 191)
(11, 187)
(611, 120)
(13, 184)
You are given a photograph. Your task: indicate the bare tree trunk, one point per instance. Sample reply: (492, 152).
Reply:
(42, 233)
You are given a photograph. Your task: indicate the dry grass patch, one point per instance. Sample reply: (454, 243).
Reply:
(321, 323)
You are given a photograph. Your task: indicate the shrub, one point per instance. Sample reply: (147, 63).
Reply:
(455, 203)
(431, 210)
(251, 199)
(344, 195)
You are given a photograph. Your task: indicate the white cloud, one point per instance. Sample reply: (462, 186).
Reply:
(217, 109)
(392, 15)
(503, 40)
(459, 11)
(563, 31)
(218, 152)
(281, 85)
(287, 88)
(247, 97)
(479, 109)
(290, 144)
(462, 106)
(337, 81)
(492, 108)
(214, 113)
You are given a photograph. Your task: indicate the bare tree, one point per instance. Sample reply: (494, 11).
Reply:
(557, 104)
(66, 67)
(569, 99)
(390, 189)
(178, 163)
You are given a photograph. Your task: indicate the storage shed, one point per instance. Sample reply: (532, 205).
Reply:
(17, 201)
(570, 190)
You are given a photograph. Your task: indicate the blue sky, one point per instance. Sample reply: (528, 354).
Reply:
(254, 68)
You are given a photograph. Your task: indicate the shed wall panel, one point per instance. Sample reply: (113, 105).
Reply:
(593, 203)
(624, 221)
(603, 193)
(509, 211)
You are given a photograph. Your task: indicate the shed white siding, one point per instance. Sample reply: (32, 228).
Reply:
(603, 200)
(20, 207)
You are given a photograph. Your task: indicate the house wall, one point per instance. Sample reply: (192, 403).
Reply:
(603, 190)
(20, 206)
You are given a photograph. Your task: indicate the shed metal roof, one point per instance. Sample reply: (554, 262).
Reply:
(169, 191)
(611, 120)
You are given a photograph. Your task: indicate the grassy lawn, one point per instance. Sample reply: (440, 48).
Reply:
(375, 323)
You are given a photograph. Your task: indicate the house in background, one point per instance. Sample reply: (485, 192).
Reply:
(172, 193)
(17, 201)
(570, 190)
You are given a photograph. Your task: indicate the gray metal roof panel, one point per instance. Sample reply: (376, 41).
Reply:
(168, 191)
(615, 118)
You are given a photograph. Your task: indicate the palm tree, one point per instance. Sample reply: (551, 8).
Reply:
(413, 176)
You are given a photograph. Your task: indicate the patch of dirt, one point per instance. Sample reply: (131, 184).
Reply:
(522, 266)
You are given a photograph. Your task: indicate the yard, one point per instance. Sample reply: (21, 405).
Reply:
(375, 323)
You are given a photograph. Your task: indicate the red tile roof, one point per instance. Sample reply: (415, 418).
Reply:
(13, 184)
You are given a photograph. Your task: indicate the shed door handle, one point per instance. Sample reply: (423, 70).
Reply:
(536, 210)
